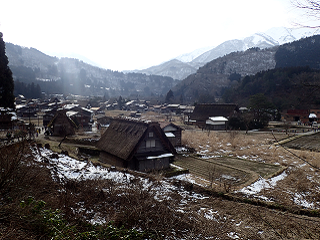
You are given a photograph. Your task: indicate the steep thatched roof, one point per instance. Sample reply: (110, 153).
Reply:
(203, 111)
(123, 137)
(67, 124)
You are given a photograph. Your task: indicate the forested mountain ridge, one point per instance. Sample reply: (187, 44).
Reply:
(305, 52)
(173, 68)
(69, 75)
(285, 88)
(188, 63)
(221, 73)
(213, 78)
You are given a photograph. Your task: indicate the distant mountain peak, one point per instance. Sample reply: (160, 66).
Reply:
(188, 57)
(192, 61)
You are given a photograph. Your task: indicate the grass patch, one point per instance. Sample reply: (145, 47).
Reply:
(211, 171)
(261, 169)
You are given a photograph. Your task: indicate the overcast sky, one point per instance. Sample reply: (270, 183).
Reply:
(132, 34)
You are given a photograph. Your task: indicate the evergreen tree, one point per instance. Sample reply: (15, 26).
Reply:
(6, 80)
(181, 99)
(169, 97)
(121, 102)
(263, 110)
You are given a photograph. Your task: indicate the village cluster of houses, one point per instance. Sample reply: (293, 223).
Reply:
(128, 142)
(80, 114)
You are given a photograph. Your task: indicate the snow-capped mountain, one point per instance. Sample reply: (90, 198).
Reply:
(285, 35)
(220, 50)
(273, 37)
(188, 57)
(175, 68)
(224, 72)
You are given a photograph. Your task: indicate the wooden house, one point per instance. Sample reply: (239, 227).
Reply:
(82, 117)
(48, 116)
(136, 145)
(103, 121)
(203, 111)
(173, 108)
(29, 110)
(7, 118)
(216, 123)
(305, 116)
(62, 125)
(297, 115)
(172, 132)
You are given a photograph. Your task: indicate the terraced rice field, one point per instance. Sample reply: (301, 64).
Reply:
(237, 172)
(262, 169)
(308, 142)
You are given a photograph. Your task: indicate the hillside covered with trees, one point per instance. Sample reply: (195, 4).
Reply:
(286, 88)
(68, 75)
(6, 80)
(212, 80)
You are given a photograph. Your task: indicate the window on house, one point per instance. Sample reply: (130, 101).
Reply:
(150, 143)
(150, 134)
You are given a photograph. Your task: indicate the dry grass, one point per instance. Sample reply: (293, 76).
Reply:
(23, 178)
(135, 206)
(299, 188)
(54, 146)
(259, 146)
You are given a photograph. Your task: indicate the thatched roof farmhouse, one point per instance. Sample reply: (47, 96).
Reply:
(62, 125)
(135, 145)
(203, 111)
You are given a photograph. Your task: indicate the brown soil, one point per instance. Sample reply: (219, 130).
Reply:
(219, 171)
(308, 142)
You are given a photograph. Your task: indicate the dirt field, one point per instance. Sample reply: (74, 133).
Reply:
(234, 171)
(310, 142)
(299, 185)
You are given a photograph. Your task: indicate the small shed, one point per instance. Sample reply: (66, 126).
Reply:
(7, 118)
(216, 123)
(173, 133)
(313, 117)
(136, 145)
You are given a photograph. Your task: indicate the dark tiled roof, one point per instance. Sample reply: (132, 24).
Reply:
(203, 111)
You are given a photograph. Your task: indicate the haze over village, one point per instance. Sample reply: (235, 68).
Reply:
(160, 120)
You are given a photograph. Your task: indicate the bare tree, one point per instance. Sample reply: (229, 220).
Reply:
(311, 9)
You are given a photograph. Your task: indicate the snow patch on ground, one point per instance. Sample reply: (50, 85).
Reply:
(233, 235)
(299, 199)
(65, 167)
(262, 183)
